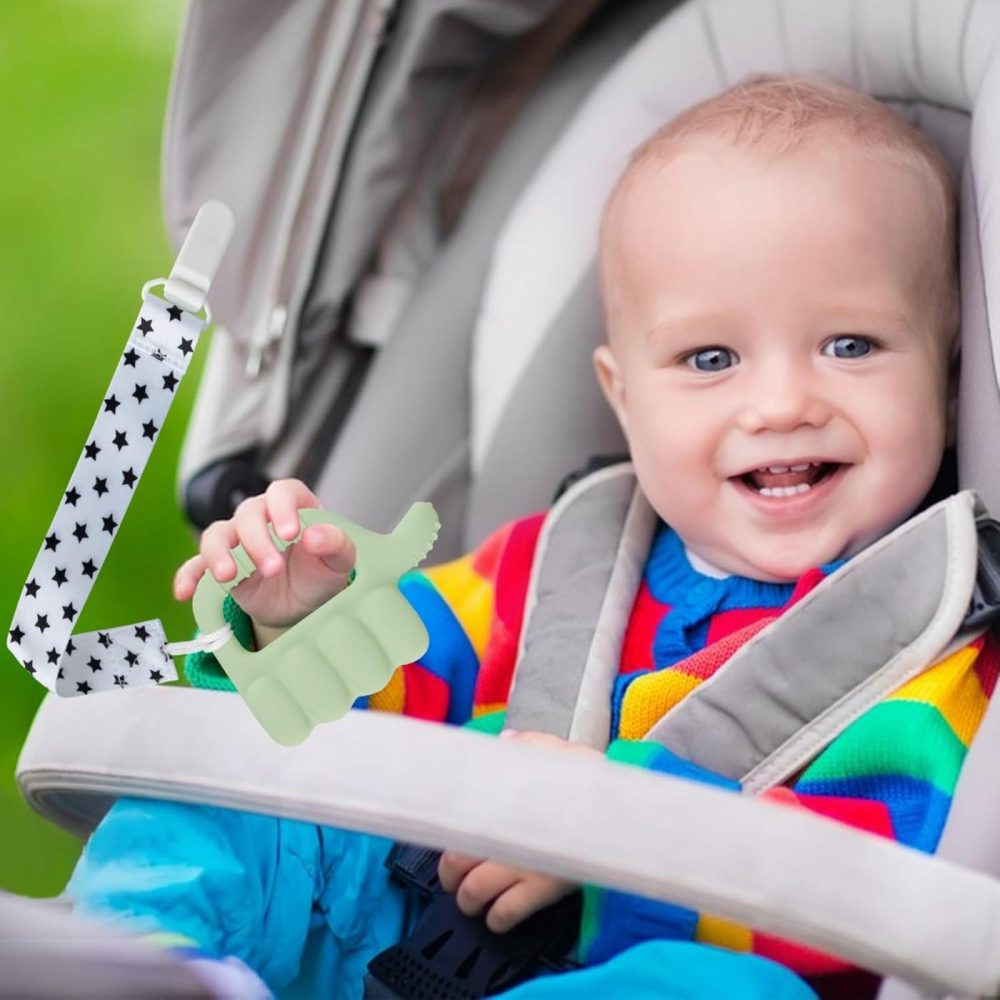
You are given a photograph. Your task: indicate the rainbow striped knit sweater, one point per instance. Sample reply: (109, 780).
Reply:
(892, 772)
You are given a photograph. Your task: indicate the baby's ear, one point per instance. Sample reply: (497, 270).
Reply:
(610, 381)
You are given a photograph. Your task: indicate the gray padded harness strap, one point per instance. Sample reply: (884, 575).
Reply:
(586, 571)
(877, 622)
(868, 628)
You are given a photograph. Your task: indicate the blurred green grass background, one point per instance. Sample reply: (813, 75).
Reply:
(84, 85)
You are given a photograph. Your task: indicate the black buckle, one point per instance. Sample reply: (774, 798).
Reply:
(984, 609)
(450, 956)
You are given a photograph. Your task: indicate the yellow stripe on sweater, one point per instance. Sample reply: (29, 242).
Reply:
(392, 697)
(469, 596)
(954, 689)
(649, 697)
(723, 933)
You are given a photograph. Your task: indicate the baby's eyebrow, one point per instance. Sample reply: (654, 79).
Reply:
(718, 320)
(849, 318)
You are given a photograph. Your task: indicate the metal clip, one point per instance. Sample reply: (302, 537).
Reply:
(200, 256)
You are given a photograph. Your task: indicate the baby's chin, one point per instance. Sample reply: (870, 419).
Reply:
(778, 563)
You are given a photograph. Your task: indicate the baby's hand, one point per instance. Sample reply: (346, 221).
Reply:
(507, 894)
(287, 586)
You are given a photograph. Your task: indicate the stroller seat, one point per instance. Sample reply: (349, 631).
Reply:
(500, 310)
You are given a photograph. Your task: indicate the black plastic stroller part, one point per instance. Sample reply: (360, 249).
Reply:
(215, 492)
(450, 956)
(984, 608)
(594, 463)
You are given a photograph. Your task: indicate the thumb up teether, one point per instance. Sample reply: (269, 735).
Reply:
(347, 647)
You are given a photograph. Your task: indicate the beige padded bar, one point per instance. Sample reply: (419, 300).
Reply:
(887, 908)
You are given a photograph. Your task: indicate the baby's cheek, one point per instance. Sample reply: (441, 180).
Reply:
(898, 490)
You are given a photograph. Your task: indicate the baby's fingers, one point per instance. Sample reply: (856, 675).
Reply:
(485, 883)
(250, 522)
(285, 497)
(453, 867)
(187, 576)
(216, 541)
(332, 545)
(527, 895)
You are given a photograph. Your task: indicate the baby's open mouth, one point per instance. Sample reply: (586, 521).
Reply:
(788, 480)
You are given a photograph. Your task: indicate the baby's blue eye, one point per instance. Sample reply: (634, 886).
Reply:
(712, 359)
(848, 347)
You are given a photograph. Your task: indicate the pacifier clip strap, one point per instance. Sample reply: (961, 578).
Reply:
(156, 357)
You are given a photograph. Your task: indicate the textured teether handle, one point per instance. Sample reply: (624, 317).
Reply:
(345, 648)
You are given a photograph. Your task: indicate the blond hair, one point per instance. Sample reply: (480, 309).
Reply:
(779, 115)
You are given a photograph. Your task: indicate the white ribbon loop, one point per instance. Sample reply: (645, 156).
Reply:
(207, 643)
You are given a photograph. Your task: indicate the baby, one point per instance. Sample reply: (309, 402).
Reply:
(779, 275)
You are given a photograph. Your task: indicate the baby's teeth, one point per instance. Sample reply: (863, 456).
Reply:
(801, 468)
(784, 491)
(777, 468)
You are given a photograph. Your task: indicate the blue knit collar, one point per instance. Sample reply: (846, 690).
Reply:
(671, 577)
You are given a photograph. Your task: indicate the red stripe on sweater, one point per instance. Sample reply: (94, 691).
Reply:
(987, 664)
(512, 567)
(637, 645)
(426, 693)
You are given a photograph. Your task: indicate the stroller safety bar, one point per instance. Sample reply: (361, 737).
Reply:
(930, 922)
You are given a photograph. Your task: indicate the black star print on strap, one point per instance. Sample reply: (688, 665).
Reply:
(120, 680)
(129, 419)
(52, 656)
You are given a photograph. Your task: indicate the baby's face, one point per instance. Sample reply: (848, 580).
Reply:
(776, 353)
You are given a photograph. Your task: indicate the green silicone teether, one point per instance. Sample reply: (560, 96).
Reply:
(348, 647)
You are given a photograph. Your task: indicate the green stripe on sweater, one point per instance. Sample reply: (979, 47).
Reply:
(894, 737)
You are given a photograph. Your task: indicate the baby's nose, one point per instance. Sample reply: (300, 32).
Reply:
(783, 400)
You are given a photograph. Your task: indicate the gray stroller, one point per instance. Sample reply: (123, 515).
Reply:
(406, 313)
